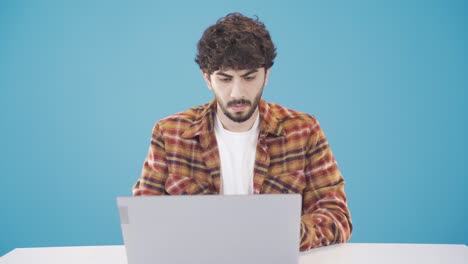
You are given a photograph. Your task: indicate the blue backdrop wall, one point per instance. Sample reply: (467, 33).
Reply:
(83, 82)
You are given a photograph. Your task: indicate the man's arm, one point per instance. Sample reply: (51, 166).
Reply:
(325, 218)
(154, 172)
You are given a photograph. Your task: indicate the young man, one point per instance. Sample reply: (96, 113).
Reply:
(240, 144)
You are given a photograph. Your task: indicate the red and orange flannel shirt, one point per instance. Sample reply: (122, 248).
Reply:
(293, 156)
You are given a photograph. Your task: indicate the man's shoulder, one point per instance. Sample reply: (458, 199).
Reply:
(290, 116)
(179, 122)
(186, 117)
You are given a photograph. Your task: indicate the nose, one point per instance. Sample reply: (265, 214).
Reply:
(237, 89)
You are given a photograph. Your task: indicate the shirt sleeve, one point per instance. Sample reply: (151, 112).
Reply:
(325, 217)
(154, 172)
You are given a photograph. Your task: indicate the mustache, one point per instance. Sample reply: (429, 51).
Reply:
(239, 101)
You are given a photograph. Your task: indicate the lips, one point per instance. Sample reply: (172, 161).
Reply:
(239, 107)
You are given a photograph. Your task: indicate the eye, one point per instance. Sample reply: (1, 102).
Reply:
(249, 78)
(225, 79)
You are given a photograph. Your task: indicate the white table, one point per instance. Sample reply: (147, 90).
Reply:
(352, 253)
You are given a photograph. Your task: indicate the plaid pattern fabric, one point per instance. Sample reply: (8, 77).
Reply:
(293, 156)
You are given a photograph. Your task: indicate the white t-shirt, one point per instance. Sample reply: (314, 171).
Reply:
(237, 153)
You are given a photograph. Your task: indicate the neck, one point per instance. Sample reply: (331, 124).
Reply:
(230, 125)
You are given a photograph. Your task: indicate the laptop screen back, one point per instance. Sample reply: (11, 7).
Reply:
(211, 229)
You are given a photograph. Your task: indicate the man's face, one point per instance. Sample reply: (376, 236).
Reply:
(237, 91)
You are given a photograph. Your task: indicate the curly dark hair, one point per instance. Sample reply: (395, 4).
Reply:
(236, 42)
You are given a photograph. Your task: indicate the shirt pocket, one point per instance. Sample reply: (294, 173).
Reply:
(184, 185)
(291, 182)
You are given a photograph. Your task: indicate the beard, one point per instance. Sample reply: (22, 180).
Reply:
(238, 117)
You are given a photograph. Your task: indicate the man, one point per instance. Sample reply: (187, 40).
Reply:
(240, 144)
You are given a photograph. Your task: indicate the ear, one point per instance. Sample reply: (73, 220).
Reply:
(267, 75)
(206, 77)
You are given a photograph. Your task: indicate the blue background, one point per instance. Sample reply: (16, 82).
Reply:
(83, 82)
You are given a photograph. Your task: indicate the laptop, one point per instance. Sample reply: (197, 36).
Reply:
(209, 229)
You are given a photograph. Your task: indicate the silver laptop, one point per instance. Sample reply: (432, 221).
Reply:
(209, 229)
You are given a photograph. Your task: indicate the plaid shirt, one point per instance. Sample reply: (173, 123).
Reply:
(293, 156)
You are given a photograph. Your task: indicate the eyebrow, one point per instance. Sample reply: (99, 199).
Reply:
(243, 75)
